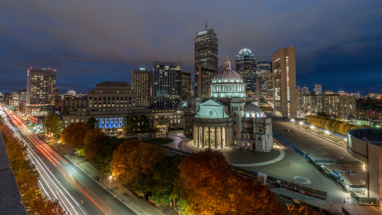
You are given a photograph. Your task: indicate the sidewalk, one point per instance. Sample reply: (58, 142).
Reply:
(119, 191)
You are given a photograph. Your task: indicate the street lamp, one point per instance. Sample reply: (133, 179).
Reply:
(292, 120)
(327, 132)
(76, 156)
(312, 127)
(301, 123)
(110, 179)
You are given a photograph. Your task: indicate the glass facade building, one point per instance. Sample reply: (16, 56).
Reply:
(264, 85)
(206, 60)
(167, 84)
(246, 67)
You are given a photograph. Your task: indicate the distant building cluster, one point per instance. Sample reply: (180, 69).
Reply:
(166, 92)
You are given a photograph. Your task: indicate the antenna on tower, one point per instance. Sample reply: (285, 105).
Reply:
(206, 22)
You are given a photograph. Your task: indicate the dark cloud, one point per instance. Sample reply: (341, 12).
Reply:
(337, 43)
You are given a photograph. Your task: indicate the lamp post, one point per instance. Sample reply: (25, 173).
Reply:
(76, 156)
(110, 179)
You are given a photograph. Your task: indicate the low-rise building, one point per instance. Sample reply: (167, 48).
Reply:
(331, 104)
(110, 103)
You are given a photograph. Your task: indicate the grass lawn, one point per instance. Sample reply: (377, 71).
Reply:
(162, 140)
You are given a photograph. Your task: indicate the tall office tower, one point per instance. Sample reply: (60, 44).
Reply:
(186, 89)
(284, 83)
(264, 78)
(246, 67)
(318, 89)
(167, 84)
(41, 89)
(206, 60)
(141, 84)
(202, 83)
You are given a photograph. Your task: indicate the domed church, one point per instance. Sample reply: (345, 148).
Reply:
(228, 118)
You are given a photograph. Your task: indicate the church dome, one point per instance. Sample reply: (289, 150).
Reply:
(227, 75)
(227, 83)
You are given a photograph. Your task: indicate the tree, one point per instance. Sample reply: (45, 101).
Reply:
(105, 153)
(161, 181)
(27, 177)
(127, 124)
(51, 122)
(73, 135)
(92, 123)
(142, 164)
(92, 143)
(203, 182)
(340, 118)
(59, 128)
(120, 161)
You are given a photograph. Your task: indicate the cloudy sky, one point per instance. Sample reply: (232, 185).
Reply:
(338, 43)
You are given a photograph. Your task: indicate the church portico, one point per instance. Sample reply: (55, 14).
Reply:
(211, 136)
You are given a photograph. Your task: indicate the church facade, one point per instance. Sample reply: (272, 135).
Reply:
(228, 118)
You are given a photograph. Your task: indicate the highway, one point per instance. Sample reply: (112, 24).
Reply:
(63, 181)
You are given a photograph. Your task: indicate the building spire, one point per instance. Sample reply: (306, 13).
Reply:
(206, 22)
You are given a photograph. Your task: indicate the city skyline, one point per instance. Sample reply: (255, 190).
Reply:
(336, 47)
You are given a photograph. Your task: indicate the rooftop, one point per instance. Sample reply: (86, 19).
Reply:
(113, 83)
(10, 198)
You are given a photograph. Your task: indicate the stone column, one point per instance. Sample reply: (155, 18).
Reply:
(194, 136)
(202, 137)
(198, 136)
(209, 137)
(221, 137)
(226, 136)
(216, 139)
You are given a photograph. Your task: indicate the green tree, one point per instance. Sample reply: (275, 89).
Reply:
(161, 182)
(59, 128)
(50, 122)
(127, 124)
(104, 154)
(92, 123)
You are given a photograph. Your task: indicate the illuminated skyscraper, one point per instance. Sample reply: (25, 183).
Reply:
(264, 84)
(246, 67)
(206, 60)
(141, 84)
(284, 83)
(167, 83)
(41, 89)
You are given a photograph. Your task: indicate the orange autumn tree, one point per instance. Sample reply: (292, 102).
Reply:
(203, 182)
(247, 196)
(92, 143)
(27, 177)
(141, 163)
(120, 161)
(73, 135)
(208, 185)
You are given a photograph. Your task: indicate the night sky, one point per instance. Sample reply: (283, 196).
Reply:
(338, 43)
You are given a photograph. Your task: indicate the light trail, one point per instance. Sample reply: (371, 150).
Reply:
(51, 154)
(33, 157)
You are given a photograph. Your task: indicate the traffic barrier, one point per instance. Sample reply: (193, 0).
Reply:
(364, 200)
